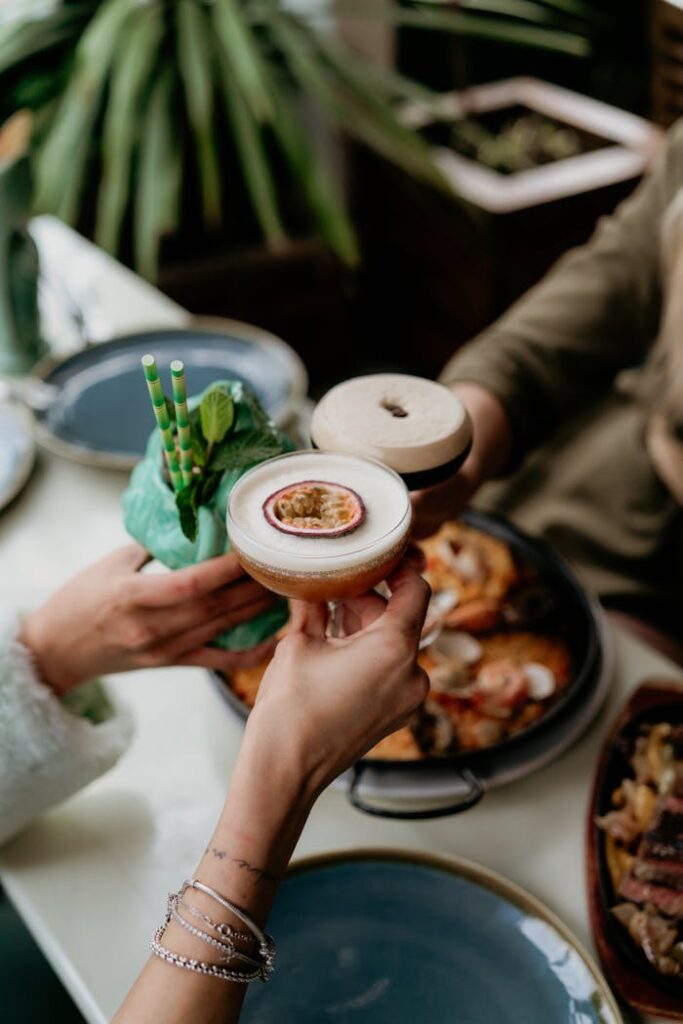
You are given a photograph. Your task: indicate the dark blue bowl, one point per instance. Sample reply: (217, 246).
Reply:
(392, 938)
(99, 410)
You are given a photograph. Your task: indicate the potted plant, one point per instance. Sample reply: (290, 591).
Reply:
(537, 165)
(184, 134)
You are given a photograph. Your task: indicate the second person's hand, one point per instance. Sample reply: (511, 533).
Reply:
(491, 450)
(111, 618)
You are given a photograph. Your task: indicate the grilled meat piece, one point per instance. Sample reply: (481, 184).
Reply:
(654, 934)
(662, 872)
(666, 900)
(664, 839)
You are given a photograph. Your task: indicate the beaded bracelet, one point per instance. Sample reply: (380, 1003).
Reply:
(190, 964)
(228, 949)
(260, 969)
(265, 942)
(222, 929)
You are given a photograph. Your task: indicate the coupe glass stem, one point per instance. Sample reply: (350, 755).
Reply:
(335, 623)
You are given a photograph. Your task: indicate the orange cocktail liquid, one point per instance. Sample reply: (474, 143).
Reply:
(320, 568)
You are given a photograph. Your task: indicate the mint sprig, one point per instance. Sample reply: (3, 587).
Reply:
(220, 444)
(216, 414)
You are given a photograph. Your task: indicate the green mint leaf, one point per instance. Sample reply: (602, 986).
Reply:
(217, 414)
(243, 449)
(170, 409)
(259, 416)
(198, 443)
(207, 486)
(186, 503)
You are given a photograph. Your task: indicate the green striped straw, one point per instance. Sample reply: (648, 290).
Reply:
(156, 393)
(182, 418)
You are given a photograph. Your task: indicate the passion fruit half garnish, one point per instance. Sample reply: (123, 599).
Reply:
(315, 508)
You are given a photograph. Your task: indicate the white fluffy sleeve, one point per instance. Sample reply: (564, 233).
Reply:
(46, 752)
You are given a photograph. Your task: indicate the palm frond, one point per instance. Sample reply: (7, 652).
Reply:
(131, 72)
(327, 209)
(63, 156)
(241, 52)
(195, 62)
(371, 119)
(513, 32)
(256, 172)
(26, 38)
(159, 179)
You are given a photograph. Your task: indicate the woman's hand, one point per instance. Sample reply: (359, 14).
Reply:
(322, 704)
(110, 618)
(333, 699)
(491, 451)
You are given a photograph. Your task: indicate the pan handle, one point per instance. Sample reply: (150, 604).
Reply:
(475, 791)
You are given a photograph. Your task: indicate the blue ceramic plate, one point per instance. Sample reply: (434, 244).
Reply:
(96, 407)
(383, 937)
(16, 452)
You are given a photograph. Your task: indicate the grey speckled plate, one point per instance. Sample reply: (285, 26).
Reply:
(391, 937)
(17, 451)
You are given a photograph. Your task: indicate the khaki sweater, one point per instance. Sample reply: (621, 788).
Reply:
(589, 366)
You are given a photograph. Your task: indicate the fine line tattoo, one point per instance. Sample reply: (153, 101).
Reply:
(219, 854)
(259, 873)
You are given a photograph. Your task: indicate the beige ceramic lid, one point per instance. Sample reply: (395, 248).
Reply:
(409, 423)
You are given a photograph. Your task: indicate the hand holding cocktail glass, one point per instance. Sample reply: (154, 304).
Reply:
(319, 526)
(331, 524)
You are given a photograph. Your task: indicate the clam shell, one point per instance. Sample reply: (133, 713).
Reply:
(541, 680)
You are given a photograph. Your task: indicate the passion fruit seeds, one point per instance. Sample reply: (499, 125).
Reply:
(315, 508)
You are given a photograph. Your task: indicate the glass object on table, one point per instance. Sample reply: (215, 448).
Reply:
(415, 426)
(319, 526)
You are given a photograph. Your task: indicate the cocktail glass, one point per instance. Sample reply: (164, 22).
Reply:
(321, 568)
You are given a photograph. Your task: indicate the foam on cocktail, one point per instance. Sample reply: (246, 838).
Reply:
(409, 423)
(387, 514)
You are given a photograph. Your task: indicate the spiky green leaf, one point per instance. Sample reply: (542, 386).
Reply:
(157, 199)
(240, 51)
(195, 61)
(256, 170)
(62, 161)
(133, 66)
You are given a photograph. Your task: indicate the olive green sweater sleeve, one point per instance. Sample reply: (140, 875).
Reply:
(596, 313)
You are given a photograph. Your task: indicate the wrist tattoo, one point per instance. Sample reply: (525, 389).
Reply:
(260, 874)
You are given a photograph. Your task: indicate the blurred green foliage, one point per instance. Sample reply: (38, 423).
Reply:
(154, 114)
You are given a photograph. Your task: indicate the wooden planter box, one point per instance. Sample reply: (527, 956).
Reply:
(437, 270)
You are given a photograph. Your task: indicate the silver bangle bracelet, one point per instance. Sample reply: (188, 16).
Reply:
(266, 943)
(228, 950)
(194, 883)
(224, 930)
(254, 968)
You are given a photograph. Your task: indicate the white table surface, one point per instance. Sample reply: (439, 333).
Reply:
(90, 878)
